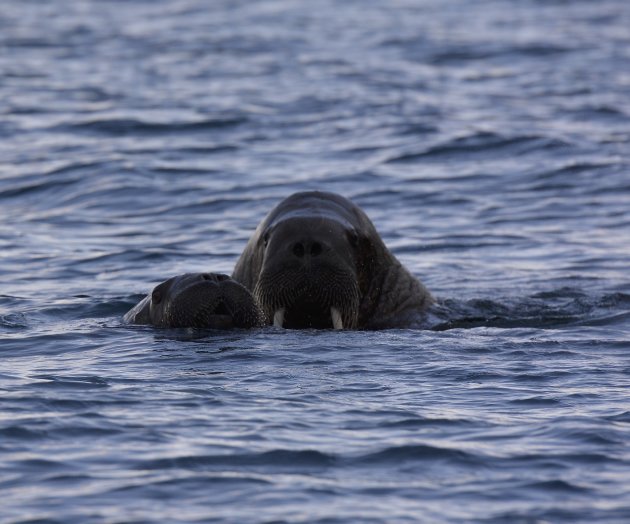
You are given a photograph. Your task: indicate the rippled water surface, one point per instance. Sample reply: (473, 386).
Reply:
(489, 142)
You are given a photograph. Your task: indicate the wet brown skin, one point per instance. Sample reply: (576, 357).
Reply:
(317, 261)
(201, 300)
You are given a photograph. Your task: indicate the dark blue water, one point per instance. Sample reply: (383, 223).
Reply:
(490, 144)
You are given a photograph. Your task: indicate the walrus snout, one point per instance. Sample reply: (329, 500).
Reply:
(308, 276)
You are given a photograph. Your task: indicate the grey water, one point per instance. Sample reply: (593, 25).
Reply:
(489, 142)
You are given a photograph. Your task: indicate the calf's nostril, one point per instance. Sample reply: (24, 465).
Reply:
(316, 249)
(298, 249)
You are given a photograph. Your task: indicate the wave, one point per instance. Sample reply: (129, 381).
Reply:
(292, 459)
(135, 126)
(279, 458)
(44, 185)
(556, 486)
(544, 310)
(396, 455)
(464, 54)
(481, 142)
(14, 321)
(422, 48)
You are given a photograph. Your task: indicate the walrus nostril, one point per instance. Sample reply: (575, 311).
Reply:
(316, 248)
(298, 249)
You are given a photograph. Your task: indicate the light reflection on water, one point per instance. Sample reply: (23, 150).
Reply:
(489, 147)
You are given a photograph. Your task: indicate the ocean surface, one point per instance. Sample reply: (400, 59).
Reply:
(489, 142)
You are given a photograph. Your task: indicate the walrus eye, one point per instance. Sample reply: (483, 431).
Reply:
(353, 238)
(156, 296)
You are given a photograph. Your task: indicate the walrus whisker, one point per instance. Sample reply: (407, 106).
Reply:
(336, 318)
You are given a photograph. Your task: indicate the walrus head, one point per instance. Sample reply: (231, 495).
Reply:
(316, 261)
(202, 300)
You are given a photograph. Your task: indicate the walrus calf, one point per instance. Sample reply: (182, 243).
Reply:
(317, 261)
(202, 300)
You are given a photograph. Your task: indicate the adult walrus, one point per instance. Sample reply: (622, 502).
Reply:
(202, 300)
(317, 261)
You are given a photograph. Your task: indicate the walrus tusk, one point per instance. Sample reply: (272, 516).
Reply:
(278, 317)
(336, 318)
